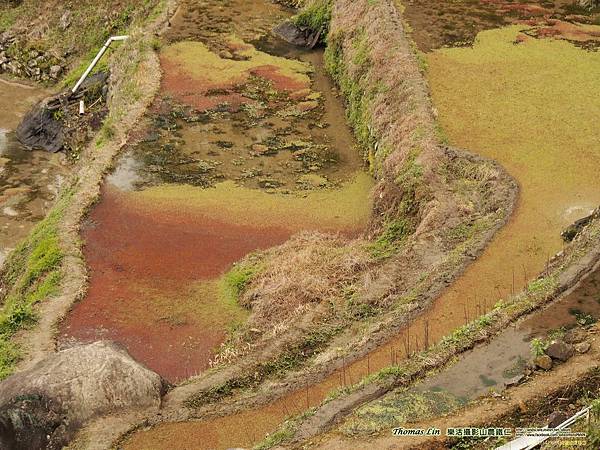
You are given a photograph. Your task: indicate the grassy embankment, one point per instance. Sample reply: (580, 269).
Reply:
(408, 163)
(34, 271)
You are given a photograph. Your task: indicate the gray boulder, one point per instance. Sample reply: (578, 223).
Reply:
(44, 406)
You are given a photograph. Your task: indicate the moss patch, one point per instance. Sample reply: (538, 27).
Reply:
(334, 209)
(194, 59)
(233, 283)
(315, 16)
(399, 408)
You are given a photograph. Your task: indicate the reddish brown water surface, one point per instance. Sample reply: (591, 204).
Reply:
(150, 283)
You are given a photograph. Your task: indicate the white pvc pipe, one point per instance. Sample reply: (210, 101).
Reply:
(97, 58)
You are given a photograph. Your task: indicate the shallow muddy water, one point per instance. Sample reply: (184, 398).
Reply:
(29, 181)
(490, 367)
(244, 146)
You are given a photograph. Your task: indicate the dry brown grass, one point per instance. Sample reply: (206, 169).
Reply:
(310, 268)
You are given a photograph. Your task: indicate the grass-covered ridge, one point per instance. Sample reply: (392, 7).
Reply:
(32, 273)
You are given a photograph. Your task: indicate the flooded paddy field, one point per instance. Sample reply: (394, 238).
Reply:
(502, 98)
(29, 180)
(244, 146)
(436, 24)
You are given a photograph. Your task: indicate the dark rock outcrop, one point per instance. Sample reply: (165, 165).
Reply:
(574, 229)
(301, 37)
(44, 406)
(556, 418)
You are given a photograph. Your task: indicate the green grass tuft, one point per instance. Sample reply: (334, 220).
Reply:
(31, 274)
(316, 16)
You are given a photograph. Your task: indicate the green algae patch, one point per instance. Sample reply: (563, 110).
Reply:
(343, 209)
(200, 304)
(197, 61)
(400, 408)
(533, 107)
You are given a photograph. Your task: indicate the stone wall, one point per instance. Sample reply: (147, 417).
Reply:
(18, 60)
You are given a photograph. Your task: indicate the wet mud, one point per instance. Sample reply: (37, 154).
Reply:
(29, 180)
(447, 23)
(245, 145)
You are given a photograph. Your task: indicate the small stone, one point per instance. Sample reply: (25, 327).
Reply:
(514, 381)
(224, 54)
(55, 71)
(574, 336)
(10, 211)
(313, 180)
(65, 20)
(262, 150)
(308, 106)
(301, 94)
(543, 362)
(556, 418)
(582, 347)
(560, 350)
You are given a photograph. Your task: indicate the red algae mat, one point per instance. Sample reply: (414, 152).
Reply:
(155, 258)
(196, 76)
(170, 324)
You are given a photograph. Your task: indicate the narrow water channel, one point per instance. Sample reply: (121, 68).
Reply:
(29, 180)
(517, 254)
